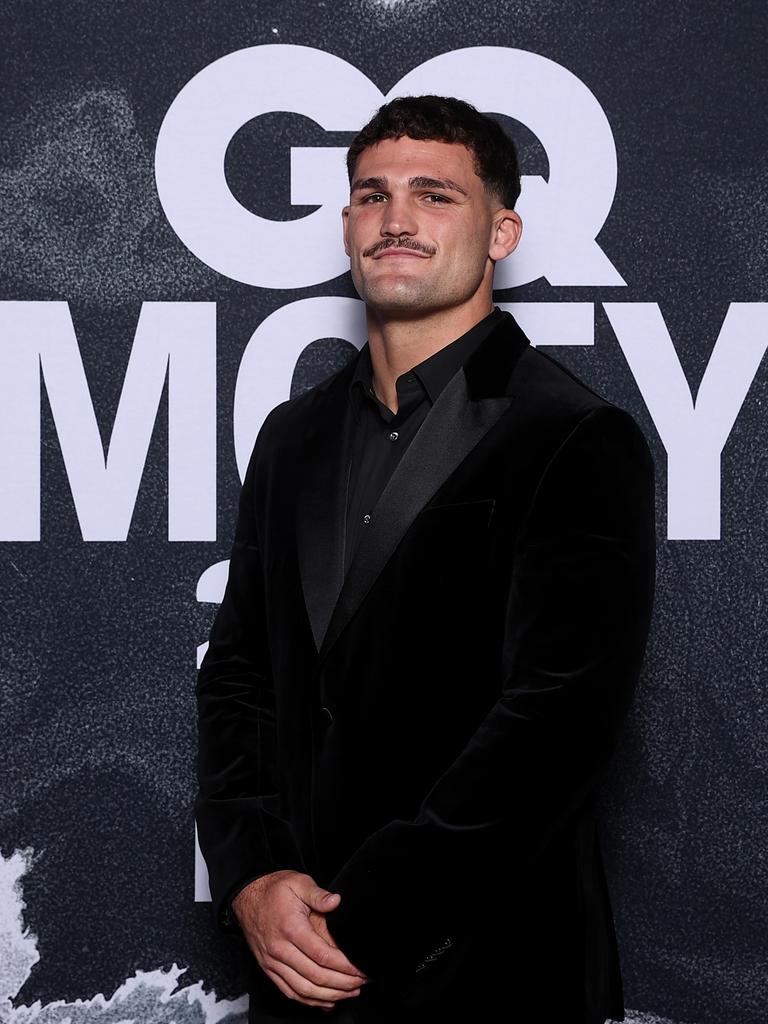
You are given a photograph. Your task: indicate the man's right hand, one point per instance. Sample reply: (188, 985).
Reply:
(273, 912)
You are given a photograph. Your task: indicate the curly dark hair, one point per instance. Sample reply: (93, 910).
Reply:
(447, 119)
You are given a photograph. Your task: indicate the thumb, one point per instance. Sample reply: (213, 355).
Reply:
(321, 899)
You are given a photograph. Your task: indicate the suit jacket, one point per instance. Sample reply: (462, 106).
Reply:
(425, 736)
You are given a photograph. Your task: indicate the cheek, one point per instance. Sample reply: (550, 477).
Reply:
(470, 252)
(360, 230)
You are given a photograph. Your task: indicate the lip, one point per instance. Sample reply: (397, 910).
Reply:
(397, 252)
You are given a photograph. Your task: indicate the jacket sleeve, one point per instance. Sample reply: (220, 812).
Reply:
(240, 830)
(578, 611)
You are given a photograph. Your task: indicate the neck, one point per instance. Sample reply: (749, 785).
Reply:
(398, 344)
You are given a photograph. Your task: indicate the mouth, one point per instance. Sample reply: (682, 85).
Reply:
(398, 253)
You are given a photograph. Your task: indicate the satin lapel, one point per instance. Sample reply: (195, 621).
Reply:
(321, 507)
(451, 430)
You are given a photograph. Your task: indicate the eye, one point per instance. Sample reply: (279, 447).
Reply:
(435, 198)
(374, 197)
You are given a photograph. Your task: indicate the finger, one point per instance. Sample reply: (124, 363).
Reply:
(323, 976)
(305, 938)
(287, 953)
(288, 991)
(306, 989)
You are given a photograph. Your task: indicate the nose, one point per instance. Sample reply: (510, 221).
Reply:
(398, 217)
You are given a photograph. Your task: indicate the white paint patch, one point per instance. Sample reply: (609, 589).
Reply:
(18, 946)
(632, 1017)
(148, 996)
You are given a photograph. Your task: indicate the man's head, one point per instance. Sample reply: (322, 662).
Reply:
(432, 187)
(447, 119)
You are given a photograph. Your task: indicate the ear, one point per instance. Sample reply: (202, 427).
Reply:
(345, 224)
(507, 229)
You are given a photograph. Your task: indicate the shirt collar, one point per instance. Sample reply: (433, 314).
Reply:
(435, 371)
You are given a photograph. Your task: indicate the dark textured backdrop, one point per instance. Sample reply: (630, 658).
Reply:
(98, 639)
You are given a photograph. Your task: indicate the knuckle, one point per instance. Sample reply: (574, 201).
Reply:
(324, 955)
(312, 975)
(279, 949)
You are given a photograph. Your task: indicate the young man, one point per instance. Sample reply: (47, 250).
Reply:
(438, 603)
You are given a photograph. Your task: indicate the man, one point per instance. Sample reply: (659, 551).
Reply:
(438, 602)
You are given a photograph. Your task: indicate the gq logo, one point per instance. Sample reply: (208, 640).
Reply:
(562, 216)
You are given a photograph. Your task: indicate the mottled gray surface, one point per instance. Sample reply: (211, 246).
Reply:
(83, 221)
(98, 641)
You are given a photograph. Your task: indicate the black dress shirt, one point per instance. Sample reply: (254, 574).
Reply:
(380, 436)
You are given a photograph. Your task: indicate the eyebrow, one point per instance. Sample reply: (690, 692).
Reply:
(419, 181)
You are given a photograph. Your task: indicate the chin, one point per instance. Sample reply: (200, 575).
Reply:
(402, 307)
(398, 297)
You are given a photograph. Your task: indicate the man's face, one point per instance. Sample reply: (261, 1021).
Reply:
(419, 228)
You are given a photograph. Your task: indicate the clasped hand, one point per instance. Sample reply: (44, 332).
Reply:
(282, 916)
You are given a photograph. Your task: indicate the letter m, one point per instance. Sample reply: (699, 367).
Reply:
(176, 340)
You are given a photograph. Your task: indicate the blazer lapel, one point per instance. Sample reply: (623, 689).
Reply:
(322, 502)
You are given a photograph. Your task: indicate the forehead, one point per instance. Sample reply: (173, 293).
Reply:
(405, 157)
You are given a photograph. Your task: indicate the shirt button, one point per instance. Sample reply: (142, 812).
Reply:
(366, 519)
(394, 435)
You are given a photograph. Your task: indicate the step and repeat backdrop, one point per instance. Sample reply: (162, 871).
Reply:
(171, 268)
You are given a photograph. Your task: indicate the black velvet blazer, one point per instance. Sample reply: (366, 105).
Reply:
(425, 736)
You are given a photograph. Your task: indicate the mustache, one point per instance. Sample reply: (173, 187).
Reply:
(401, 243)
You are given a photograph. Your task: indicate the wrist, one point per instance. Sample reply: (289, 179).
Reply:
(244, 894)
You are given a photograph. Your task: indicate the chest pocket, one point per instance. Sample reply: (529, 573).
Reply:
(452, 533)
(478, 511)
(459, 514)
